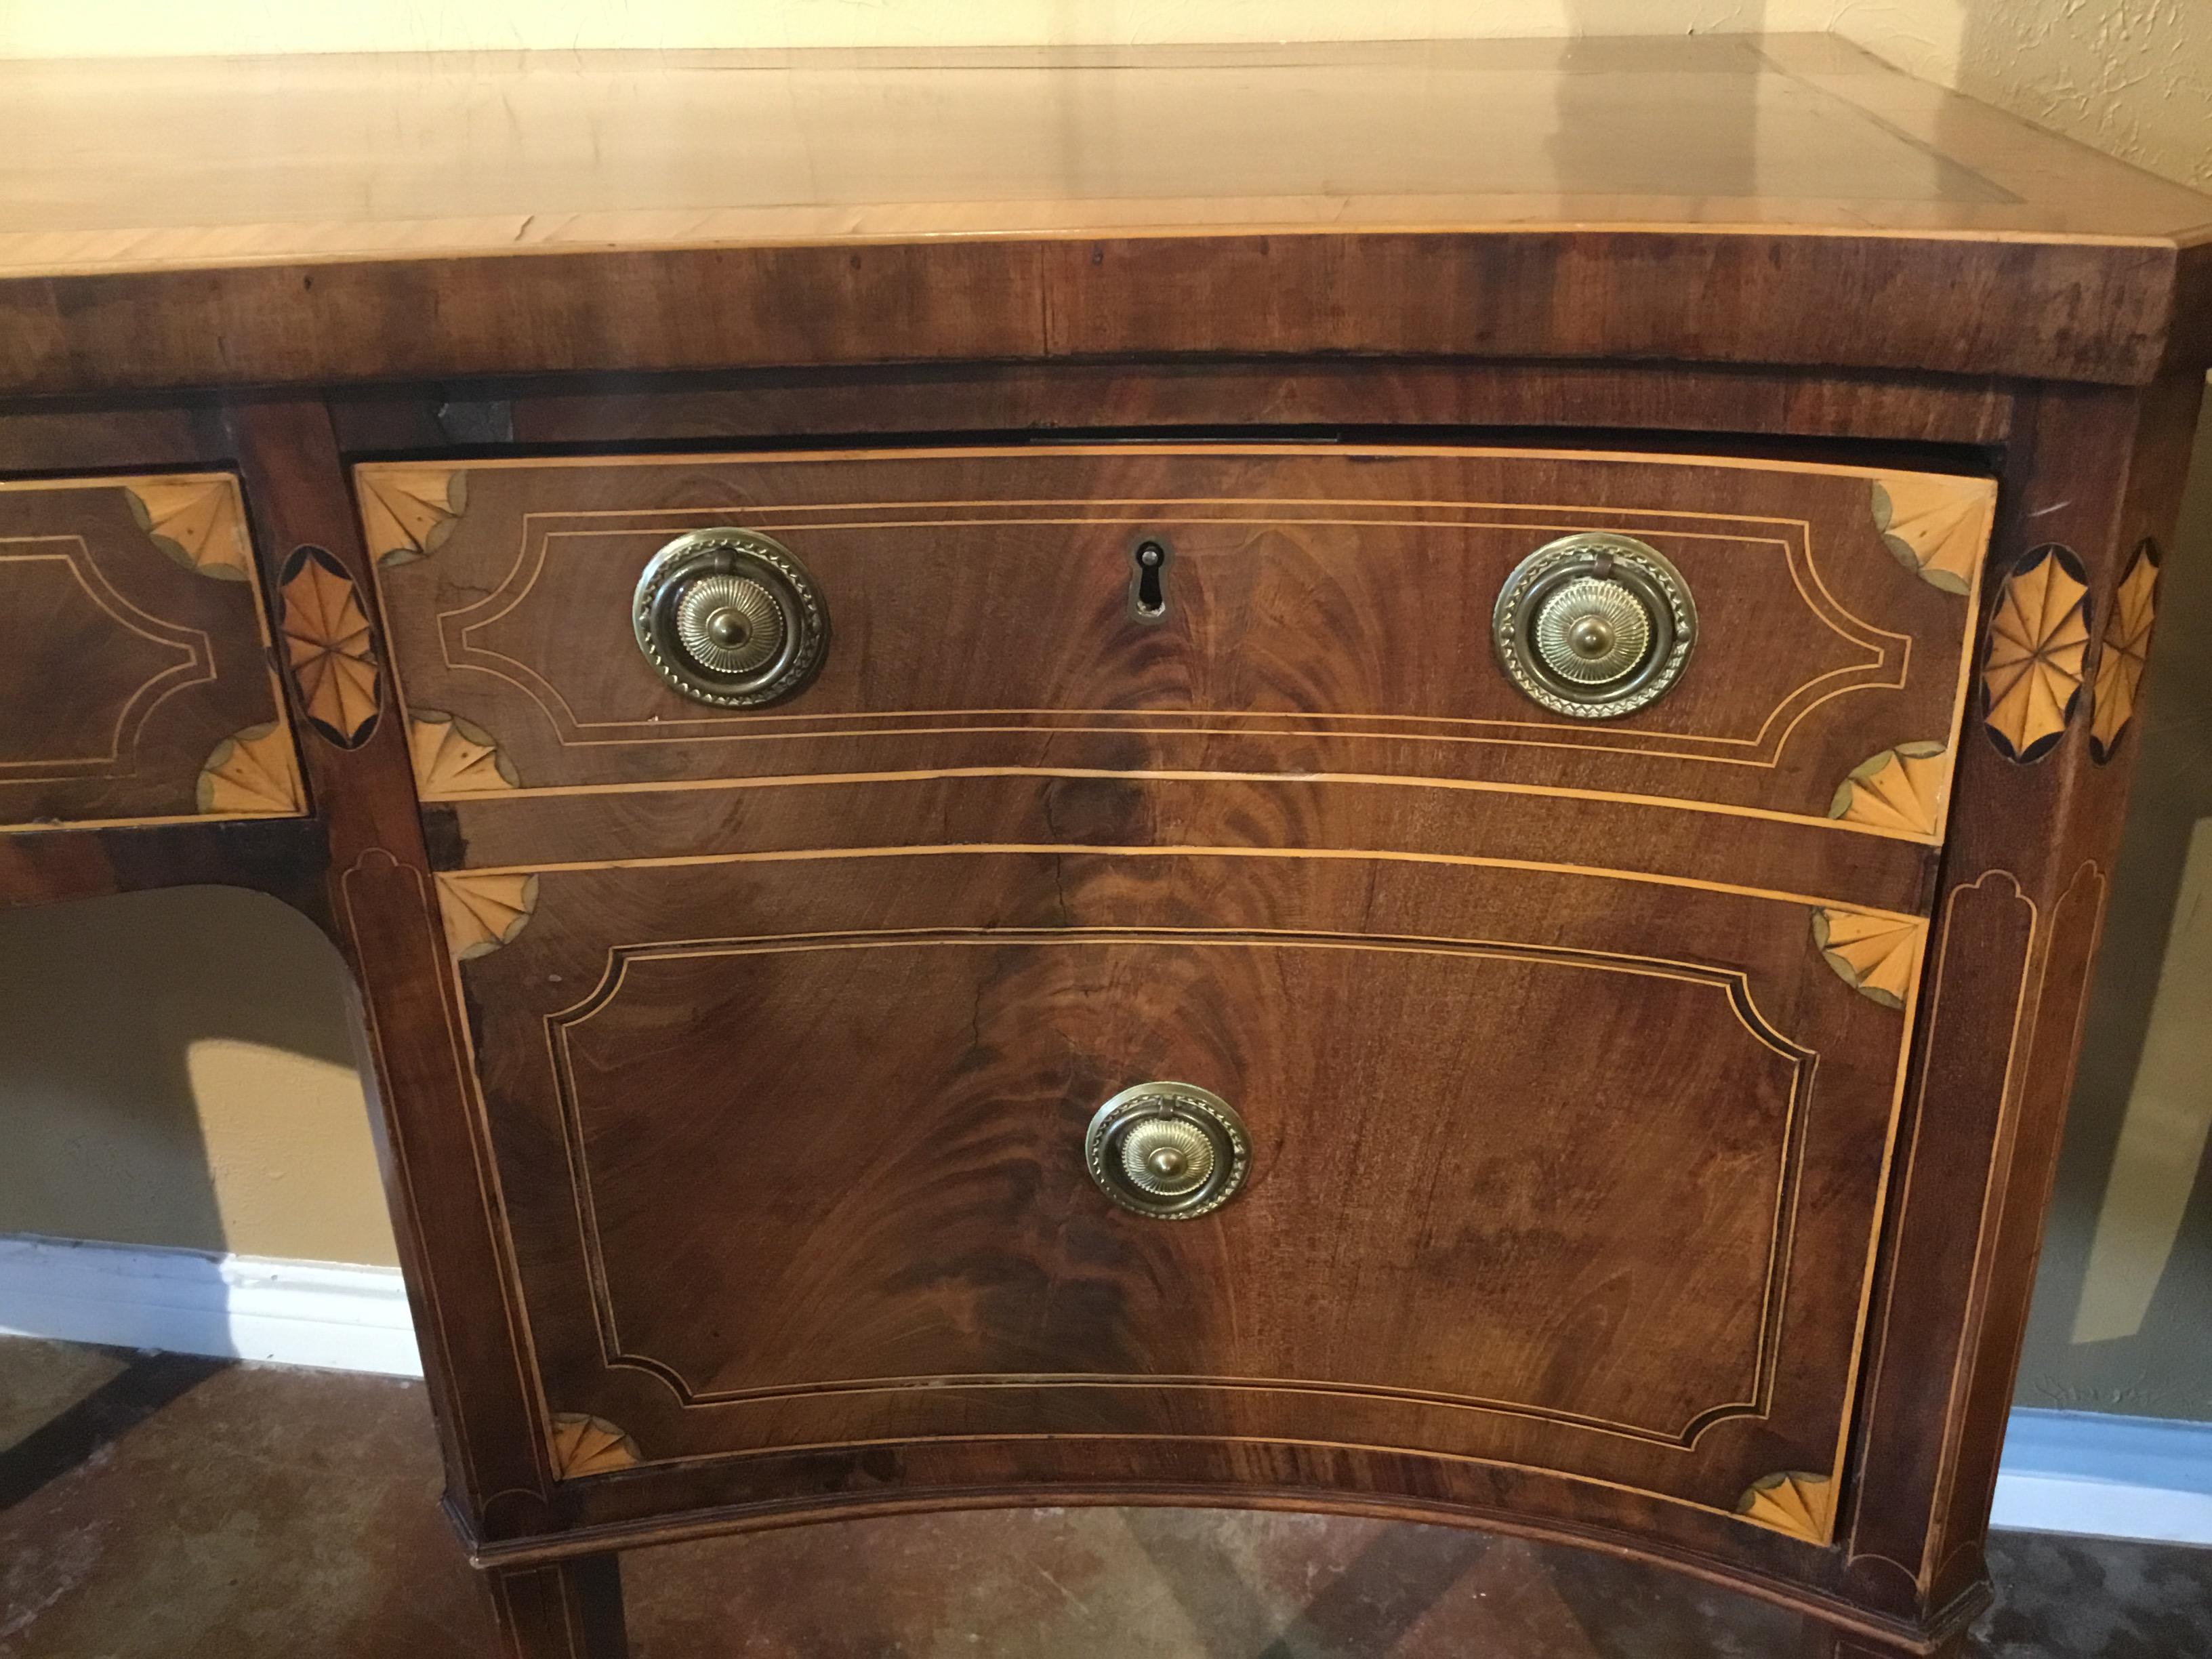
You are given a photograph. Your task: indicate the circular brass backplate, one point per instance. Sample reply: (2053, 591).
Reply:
(1170, 1150)
(1595, 625)
(731, 617)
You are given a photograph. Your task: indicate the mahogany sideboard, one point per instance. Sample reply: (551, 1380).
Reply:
(1375, 779)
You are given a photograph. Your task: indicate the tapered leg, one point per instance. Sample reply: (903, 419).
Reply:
(568, 1610)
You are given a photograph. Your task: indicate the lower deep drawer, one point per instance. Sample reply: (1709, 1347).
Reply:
(1547, 1169)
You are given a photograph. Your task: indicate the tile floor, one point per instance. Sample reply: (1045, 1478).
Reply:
(168, 1507)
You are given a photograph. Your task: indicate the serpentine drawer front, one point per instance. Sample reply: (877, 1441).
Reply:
(136, 683)
(1274, 611)
(1402, 951)
(1548, 1171)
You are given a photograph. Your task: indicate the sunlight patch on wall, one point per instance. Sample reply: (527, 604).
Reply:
(289, 1153)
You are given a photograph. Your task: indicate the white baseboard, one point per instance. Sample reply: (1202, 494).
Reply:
(2073, 1472)
(323, 1313)
(2102, 1474)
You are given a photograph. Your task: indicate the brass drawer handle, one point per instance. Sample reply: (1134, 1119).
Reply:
(1595, 625)
(1171, 1151)
(729, 616)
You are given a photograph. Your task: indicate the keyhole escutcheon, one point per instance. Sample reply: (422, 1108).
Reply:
(1148, 588)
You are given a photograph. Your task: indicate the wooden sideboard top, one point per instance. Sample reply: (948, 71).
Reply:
(222, 220)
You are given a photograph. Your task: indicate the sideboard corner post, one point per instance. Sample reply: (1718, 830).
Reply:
(492, 1422)
(2093, 478)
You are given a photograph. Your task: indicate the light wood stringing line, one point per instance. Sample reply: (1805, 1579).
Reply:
(1782, 1232)
(461, 1049)
(990, 848)
(2027, 1018)
(199, 653)
(1396, 781)
(535, 683)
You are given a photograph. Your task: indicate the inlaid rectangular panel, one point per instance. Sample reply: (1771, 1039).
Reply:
(1568, 1172)
(138, 683)
(1319, 611)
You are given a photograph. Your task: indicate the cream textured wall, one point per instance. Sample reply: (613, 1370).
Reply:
(2133, 77)
(177, 1068)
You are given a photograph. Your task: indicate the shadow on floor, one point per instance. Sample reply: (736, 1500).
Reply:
(160, 1506)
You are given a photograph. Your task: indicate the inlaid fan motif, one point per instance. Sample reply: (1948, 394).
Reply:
(329, 646)
(198, 522)
(1935, 526)
(2031, 676)
(589, 1445)
(407, 512)
(2127, 644)
(1803, 1505)
(485, 911)
(1902, 790)
(1874, 955)
(454, 758)
(252, 774)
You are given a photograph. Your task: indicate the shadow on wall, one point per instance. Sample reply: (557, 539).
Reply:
(2120, 1320)
(177, 1069)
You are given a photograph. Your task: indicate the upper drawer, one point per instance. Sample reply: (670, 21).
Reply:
(137, 682)
(1320, 610)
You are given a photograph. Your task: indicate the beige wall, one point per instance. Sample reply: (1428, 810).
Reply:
(177, 1068)
(174, 1067)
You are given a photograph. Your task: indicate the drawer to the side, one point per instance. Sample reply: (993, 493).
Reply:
(137, 681)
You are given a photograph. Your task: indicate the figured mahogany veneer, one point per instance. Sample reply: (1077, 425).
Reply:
(1555, 1171)
(1327, 611)
(136, 681)
(1649, 1120)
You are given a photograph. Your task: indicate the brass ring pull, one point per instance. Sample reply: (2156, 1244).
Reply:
(1170, 1150)
(1595, 625)
(729, 616)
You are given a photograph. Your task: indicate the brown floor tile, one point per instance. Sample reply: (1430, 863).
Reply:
(264, 1512)
(271, 1513)
(38, 1381)
(1176, 1584)
(2102, 1598)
